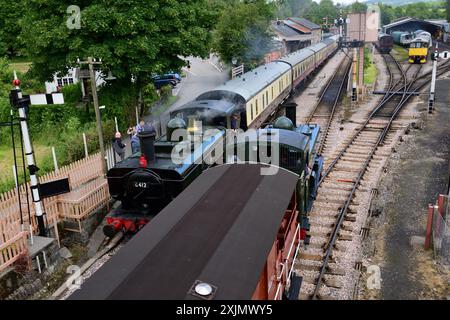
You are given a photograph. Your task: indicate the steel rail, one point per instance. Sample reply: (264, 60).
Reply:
(359, 177)
(346, 66)
(379, 142)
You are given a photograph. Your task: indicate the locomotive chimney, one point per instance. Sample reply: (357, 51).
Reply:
(147, 140)
(291, 112)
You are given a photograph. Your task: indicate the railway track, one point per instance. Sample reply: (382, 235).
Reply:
(324, 111)
(334, 213)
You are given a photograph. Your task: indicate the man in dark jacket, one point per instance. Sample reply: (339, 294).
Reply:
(119, 146)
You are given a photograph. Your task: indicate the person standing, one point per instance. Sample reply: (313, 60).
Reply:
(119, 146)
(140, 126)
(135, 143)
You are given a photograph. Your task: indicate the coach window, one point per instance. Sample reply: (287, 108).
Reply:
(251, 111)
(267, 97)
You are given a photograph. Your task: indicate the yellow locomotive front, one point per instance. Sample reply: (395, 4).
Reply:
(418, 51)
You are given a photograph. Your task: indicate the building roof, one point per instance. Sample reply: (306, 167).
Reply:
(284, 32)
(219, 231)
(305, 23)
(297, 26)
(409, 19)
(280, 27)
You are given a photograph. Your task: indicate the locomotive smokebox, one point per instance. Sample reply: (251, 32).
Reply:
(147, 139)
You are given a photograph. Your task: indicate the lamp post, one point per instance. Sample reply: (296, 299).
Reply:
(91, 62)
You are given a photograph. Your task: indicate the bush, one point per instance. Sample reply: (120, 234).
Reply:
(166, 92)
(71, 146)
(72, 93)
(120, 102)
(150, 95)
(51, 118)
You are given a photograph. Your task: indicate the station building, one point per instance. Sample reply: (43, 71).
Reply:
(292, 34)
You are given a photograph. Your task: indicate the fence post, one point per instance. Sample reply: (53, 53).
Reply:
(55, 161)
(16, 178)
(86, 154)
(429, 226)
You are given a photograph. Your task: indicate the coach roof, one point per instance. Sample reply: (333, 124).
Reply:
(251, 83)
(218, 231)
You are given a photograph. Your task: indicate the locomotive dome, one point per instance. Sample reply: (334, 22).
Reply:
(284, 123)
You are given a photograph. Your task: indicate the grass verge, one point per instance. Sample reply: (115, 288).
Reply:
(43, 156)
(400, 53)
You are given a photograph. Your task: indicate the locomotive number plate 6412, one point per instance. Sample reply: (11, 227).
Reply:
(141, 185)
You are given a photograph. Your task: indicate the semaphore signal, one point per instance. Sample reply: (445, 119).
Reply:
(21, 103)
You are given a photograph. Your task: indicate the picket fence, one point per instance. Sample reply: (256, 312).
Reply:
(89, 191)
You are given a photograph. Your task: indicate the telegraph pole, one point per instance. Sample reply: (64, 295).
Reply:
(22, 103)
(91, 62)
(433, 81)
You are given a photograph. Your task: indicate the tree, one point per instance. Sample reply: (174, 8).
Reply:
(448, 10)
(242, 31)
(134, 38)
(324, 9)
(358, 7)
(10, 15)
(293, 8)
(386, 13)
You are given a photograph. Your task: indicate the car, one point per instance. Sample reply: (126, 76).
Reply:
(173, 75)
(159, 81)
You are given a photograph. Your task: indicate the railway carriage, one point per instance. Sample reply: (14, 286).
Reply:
(256, 94)
(402, 37)
(259, 92)
(385, 43)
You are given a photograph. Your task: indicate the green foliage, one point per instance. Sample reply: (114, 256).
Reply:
(132, 37)
(10, 14)
(294, 8)
(447, 7)
(71, 146)
(166, 91)
(370, 71)
(242, 31)
(72, 93)
(420, 10)
(120, 99)
(49, 119)
(325, 8)
(149, 94)
(357, 7)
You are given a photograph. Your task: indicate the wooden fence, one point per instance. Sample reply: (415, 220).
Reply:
(89, 192)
